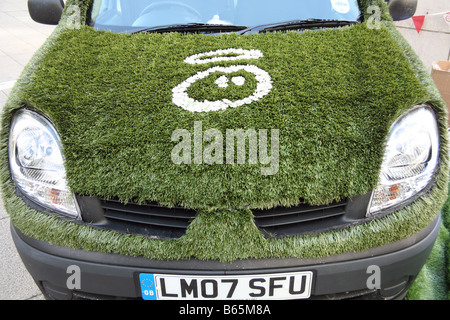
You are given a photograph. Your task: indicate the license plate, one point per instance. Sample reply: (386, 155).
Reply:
(295, 285)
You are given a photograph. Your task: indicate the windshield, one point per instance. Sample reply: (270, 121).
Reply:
(121, 15)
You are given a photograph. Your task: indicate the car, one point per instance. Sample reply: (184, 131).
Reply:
(186, 150)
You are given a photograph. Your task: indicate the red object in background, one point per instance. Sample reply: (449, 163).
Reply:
(418, 22)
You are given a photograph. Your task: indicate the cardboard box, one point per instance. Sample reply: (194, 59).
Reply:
(441, 76)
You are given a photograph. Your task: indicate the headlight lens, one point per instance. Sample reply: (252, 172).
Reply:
(37, 163)
(410, 159)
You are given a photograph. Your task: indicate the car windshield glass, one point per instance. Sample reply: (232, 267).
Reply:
(121, 15)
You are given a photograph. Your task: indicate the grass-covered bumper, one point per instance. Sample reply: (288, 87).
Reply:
(333, 97)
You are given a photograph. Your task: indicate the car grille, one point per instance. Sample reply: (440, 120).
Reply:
(159, 221)
(300, 219)
(148, 219)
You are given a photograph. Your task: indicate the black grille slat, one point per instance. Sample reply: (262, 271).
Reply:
(152, 219)
(300, 219)
(153, 210)
(148, 218)
(144, 219)
(296, 218)
(302, 209)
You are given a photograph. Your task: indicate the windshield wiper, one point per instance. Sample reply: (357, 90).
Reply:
(278, 26)
(298, 25)
(194, 27)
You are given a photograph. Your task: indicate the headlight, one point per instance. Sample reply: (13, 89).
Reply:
(410, 159)
(37, 164)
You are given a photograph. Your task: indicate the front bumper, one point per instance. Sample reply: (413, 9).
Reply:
(112, 276)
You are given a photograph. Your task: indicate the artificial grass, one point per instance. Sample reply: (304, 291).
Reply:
(110, 97)
(433, 281)
(335, 94)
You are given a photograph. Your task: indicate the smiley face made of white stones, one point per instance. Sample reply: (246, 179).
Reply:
(181, 98)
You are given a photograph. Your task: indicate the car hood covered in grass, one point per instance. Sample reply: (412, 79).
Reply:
(333, 97)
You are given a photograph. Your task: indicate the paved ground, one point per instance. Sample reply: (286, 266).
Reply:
(20, 37)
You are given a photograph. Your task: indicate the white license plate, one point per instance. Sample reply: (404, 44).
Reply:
(295, 285)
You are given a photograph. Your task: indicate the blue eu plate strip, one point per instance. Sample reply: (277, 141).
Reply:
(148, 289)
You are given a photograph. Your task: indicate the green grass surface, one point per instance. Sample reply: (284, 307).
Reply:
(433, 282)
(110, 97)
(335, 94)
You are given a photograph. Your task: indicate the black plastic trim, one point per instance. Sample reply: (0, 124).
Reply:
(162, 222)
(117, 275)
